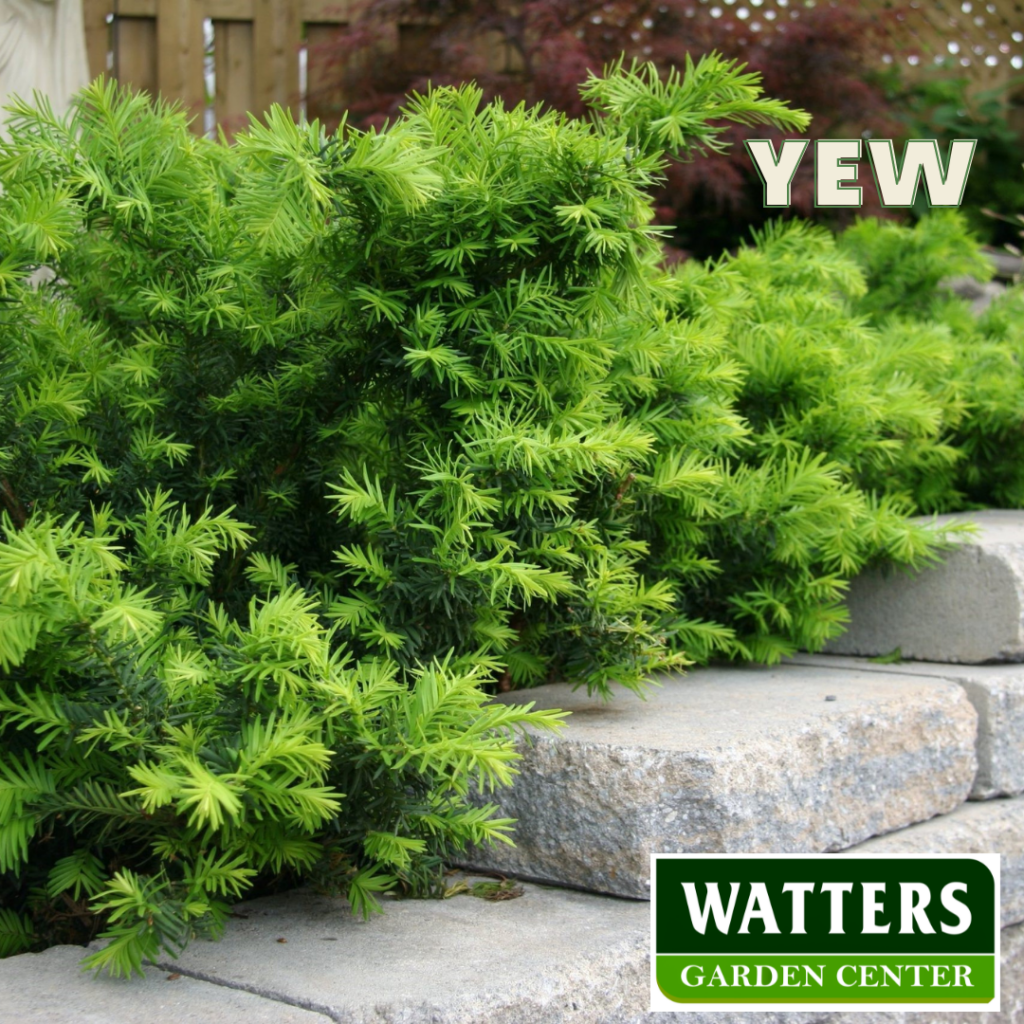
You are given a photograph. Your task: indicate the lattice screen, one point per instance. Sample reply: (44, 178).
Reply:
(985, 38)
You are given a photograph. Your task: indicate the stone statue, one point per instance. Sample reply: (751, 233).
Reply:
(42, 46)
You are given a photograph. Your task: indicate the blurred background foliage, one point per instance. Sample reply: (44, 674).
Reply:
(917, 70)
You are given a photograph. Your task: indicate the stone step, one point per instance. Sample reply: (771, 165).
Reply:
(793, 759)
(994, 826)
(969, 609)
(997, 693)
(548, 957)
(50, 988)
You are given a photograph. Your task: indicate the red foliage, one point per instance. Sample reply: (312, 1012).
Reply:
(819, 58)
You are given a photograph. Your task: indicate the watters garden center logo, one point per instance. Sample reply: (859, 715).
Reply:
(824, 932)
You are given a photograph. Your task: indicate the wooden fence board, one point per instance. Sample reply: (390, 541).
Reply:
(180, 48)
(134, 8)
(135, 53)
(326, 12)
(276, 41)
(229, 10)
(235, 73)
(97, 34)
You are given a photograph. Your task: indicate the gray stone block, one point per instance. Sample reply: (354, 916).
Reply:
(998, 697)
(550, 957)
(732, 760)
(980, 294)
(1006, 265)
(997, 693)
(995, 826)
(969, 609)
(50, 988)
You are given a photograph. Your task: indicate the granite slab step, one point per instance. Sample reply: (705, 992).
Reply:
(997, 693)
(993, 826)
(969, 609)
(792, 759)
(51, 988)
(549, 957)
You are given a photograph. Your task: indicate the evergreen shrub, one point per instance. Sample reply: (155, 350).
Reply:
(980, 369)
(308, 438)
(314, 441)
(868, 393)
(827, 411)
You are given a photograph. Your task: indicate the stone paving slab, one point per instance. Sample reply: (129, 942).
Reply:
(997, 693)
(968, 609)
(51, 988)
(994, 826)
(549, 957)
(793, 759)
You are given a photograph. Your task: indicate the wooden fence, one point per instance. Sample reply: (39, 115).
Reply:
(260, 52)
(255, 48)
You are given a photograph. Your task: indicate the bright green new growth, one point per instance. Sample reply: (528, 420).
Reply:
(868, 393)
(148, 728)
(976, 370)
(310, 438)
(832, 419)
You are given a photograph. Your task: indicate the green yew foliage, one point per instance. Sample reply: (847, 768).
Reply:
(903, 266)
(981, 386)
(160, 754)
(868, 393)
(308, 439)
(829, 412)
(314, 441)
(991, 472)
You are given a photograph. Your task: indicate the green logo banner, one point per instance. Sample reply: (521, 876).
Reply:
(824, 931)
